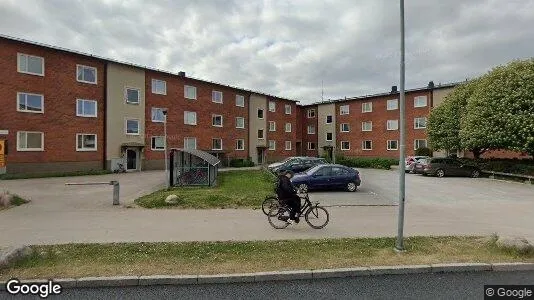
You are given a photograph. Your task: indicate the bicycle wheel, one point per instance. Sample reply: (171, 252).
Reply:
(317, 217)
(268, 204)
(278, 217)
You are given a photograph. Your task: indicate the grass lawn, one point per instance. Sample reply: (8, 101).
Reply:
(16, 201)
(235, 189)
(79, 260)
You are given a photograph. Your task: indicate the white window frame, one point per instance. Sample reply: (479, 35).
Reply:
(415, 143)
(190, 87)
(238, 99)
(388, 145)
(309, 146)
(287, 109)
(288, 148)
(80, 102)
(155, 91)
(126, 95)
(326, 119)
(396, 101)
(273, 143)
(263, 134)
(185, 118)
(344, 110)
(152, 143)
(272, 106)
(190, 138)
(19, 149)
(345, 148)
(19, 55)
(396, 127)
(237, 123)
(417, 99)
(213, 118)
(78, 149)
(326, 137)
(288, 129)
(415, 125)
(126, 126)
(313, 131)
(214, 98)
(363, 145)
(272, 126)
(311, 110)
(367, 122)
(242, 144)
(368, 105)
(262, 113)
(152, 115)
(341, 127)
(30, 111)
(86, 67)
(214, 139)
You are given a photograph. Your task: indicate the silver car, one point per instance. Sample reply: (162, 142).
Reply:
(410, 161)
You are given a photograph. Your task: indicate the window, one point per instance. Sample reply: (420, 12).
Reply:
(419, 101)
(85, 142)
(86, 74)
(159, 87)
(32, 103)
(157, 143)
(216, 144)
(367, 126)
(288, 127)
(393, 145)
(288, 145)
(329, 136)
(367, 107)
(344, 127)
(311, 146)
(345, 145)
(30, 64)
(217, 120)
(86, 108)
(260, 134)
(157, 115)
(393, 104)
(30, 141)
(240, 100)
(132, 95)
(367, 145)
(311, 129)
(190, 143)
(311, 113)
(240, 144)
(272, 106)
(190, 118)
(344, 110)
(272, 145)
(272, 126)
(260, 113)
(190, 92)
(217, 97)
(419, 144)
(132, 126)
(392, 125)
(420, 123)
(328, 119)
(239, 122)
(288, 109)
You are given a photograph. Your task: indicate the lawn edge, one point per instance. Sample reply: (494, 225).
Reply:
(115, 281)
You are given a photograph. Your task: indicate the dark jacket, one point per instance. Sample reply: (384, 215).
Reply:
(285, 188)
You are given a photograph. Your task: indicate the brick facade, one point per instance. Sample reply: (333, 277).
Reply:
(309, 138)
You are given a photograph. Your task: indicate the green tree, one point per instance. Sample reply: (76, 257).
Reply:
(500, 111)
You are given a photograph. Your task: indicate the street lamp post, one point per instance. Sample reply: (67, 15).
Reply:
(165, 147)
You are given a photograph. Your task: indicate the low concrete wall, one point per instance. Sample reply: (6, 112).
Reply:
(53, 167)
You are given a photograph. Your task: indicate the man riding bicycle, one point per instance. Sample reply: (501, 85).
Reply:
(287, 193)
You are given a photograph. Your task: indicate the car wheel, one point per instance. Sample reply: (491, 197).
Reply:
(475, 173)
(303, 187)
(351, 187)
(440, 173)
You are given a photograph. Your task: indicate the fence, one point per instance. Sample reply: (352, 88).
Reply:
(115, 184)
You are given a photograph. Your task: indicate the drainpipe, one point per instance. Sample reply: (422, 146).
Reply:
(104, 116)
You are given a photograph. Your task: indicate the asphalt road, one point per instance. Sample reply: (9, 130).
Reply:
(419, 286)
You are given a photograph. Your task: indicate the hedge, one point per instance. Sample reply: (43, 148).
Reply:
(513, 166)
(240, 163)
(367, 162)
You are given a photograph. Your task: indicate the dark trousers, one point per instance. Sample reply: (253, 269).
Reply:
(294, 206)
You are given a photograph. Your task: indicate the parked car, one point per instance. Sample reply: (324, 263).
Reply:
(327, 176)
(410, 161)
(277, 164)
(441, 167)
(300, 164)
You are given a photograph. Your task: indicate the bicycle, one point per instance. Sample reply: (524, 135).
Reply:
(311, 212)
(120, 169)
(270, 203)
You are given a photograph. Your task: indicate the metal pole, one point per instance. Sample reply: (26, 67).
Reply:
(402, 188)
(165, 147)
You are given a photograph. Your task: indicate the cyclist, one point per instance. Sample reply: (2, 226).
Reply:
(287, 193)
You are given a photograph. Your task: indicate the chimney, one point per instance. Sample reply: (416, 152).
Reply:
(181, 74)
(394, 89)
(431, 84)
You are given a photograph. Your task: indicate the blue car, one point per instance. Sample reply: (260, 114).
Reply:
(327, 176)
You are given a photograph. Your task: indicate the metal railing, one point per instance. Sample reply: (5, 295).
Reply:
(114, 183)
(526, 178)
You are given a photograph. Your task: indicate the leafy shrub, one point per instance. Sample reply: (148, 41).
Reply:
(423, 151)
(240, 163)
(513, 166)
(367, 162)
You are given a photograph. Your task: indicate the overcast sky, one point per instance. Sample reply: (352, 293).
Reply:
(286, 47)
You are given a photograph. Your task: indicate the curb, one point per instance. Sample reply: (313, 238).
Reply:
(99, 282)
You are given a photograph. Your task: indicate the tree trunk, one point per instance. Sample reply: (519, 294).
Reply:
(477, 152)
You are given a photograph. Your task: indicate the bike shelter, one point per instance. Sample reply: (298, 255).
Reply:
(192, 167)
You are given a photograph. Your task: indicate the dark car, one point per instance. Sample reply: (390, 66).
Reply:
(441, 167)
(300, 164)
(327, 176)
